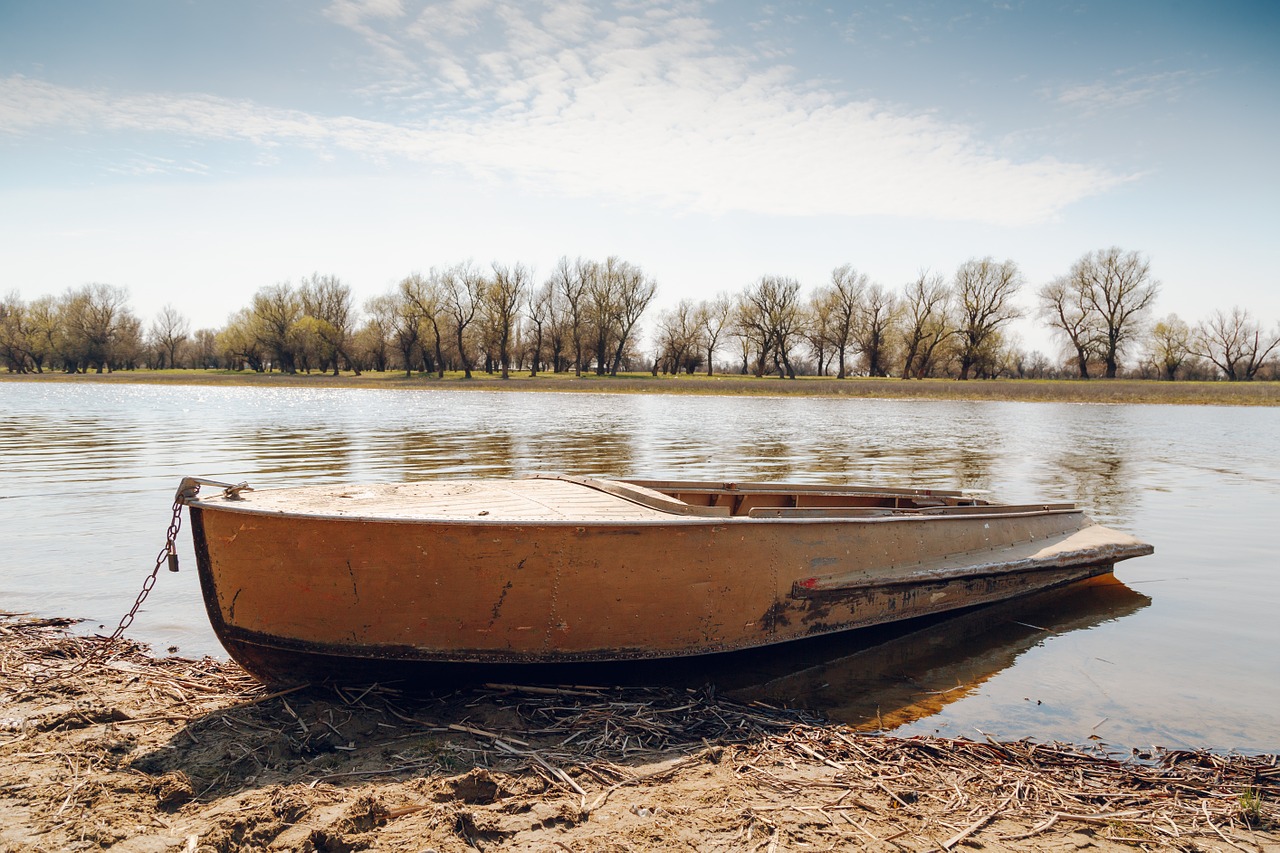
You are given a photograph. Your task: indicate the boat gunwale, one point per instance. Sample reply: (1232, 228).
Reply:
(662, 496)
(900, 515)
(767, 488)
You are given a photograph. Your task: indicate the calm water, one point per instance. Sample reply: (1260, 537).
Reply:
(1181, 653)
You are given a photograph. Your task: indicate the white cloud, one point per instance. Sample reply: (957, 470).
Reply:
(647, 105)
(351, 12)
(147, 164)
(1125, 91)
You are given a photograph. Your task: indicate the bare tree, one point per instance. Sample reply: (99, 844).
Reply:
(877, 316)
(128, 345)
(771, 307)
(751, 329)
(41, 323)
(679, 338)
(1170, 345)
(14, 334)
(816, 329)
(1119, 290)
(169, 330)
(571, 282)
(240, 344)
(1038, 366)
(423, 300)
(276, 310)
(94, 321)
(1065, 306)
(502, 298)
(71, 344)
(463, 288)
(413, 298)
(1001, 357)
(541, 312)
(926, 326)
(602, 307)
(714, 317)
(558, 322)
(746, 346)
(847, 288)
(309, 348)
(328, 300)
(204, 348)
(984, 293)
(635, 292)
(616, 294)
(1235, 343)
(374, 337)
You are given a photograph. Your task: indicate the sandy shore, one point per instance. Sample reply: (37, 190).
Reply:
(140, 753)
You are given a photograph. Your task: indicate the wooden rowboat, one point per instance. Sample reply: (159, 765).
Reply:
(333, 581)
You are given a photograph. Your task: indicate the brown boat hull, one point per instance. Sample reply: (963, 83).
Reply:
(296, 598)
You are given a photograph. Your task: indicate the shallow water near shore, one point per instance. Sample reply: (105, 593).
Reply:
(1179, 654)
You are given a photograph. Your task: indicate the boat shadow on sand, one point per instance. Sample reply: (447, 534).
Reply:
(460, 723)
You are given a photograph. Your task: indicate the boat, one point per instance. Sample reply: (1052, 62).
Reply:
(342, 582)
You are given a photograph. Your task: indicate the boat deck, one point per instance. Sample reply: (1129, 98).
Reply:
(558, 499)
(532, 500)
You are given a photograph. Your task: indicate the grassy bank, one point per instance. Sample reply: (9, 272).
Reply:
(1022, 390)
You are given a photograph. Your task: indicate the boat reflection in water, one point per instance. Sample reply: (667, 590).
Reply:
(877, 678)
(881, 679)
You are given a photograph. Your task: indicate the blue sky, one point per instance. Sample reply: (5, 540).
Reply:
(196, 151)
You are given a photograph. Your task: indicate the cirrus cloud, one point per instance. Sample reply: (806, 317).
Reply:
(634, 102)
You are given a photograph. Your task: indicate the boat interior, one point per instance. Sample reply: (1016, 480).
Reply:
(766, 500)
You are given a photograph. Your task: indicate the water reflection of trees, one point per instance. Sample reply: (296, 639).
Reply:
(873, 442)
(298, 453)
(606, 451)
(941, 447)
(766, 459)
(99, 446)
(423, 454)
(873, 461)
(1095, 476)
(419, 454)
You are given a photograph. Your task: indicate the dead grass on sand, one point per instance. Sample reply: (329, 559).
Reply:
(138, 753)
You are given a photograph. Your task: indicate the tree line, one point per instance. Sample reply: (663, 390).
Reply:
(586, 316)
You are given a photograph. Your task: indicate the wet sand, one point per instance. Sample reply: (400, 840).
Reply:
(137, 752)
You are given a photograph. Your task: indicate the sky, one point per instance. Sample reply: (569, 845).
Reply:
(194, 152)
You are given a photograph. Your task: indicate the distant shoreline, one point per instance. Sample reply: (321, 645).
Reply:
(1103, 391)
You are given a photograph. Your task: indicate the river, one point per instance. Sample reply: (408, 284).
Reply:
(1180, 653)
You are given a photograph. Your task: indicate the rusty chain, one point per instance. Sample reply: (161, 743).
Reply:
(168, 555)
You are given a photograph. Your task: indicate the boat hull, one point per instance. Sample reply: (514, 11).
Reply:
(296, 598)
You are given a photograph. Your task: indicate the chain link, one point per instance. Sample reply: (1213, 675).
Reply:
(188, 491)
(168, 555)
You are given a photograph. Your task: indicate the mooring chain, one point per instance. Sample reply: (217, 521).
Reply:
(168, 555)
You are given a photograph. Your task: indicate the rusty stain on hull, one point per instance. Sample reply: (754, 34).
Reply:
(556, 570)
